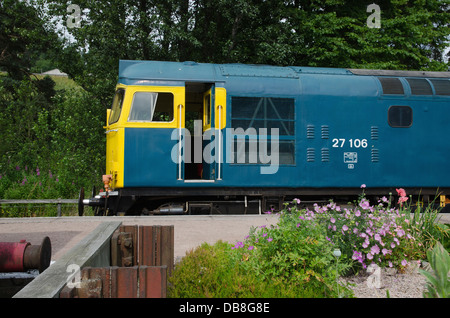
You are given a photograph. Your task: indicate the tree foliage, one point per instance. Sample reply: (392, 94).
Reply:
(38, 120)
(23, 35)
(327, 33)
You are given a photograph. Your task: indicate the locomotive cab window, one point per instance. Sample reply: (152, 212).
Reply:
(116, 108)
(151, 107)
(400, 116)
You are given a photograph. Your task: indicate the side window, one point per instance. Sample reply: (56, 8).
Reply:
(250, 114)
(116, 108)
(400, 116)
(151, 107)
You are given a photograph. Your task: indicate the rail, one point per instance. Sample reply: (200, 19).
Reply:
(58, 202)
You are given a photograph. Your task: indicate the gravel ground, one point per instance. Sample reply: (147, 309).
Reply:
(407, 285)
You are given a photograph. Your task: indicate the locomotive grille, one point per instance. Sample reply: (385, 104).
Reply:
(442, 87)
(374, 132)
(310, 155)
(419, 86)
(375, 155)
(310, 132)
(325, 132)
(391, 85)
(325, 155)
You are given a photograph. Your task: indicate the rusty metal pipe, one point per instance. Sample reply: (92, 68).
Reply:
(22, 256)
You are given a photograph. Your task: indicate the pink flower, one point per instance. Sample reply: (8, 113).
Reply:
(366, 243)
(363, 186)
(400, 232)
(401, 192)
(364, 204)
(375, 249)
(345, 227)
(402, 199)
(358, 213)
(404, 262)
(332, 220)
(385, 251)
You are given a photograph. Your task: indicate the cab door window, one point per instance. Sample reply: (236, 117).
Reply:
(151, 107)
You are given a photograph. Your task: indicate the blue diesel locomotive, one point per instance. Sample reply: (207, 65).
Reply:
(187, 137)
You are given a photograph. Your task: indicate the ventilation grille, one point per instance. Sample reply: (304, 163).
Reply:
(325, 132)
(391, 85)
(310, 155)
(420, 86)
(375, 155)
(374, 132)
(325, 152)
(310, 132)
(442, 87)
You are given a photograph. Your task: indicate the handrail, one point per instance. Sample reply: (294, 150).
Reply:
(220, 142)
(179, 143)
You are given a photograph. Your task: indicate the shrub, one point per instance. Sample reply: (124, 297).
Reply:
(380, 233)
(296, 251)
(53, 142)
(370, 233)
(293, 259)
(212, 271)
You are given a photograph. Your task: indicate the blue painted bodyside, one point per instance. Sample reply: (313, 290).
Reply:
(330, 105)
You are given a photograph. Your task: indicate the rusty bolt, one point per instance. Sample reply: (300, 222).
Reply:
(128, 242)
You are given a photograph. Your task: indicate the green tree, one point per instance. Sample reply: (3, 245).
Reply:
(23, 36)
(412, 34)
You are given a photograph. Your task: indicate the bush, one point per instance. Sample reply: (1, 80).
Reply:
(383, 234)
(53, 141)
(211, 271)
(293, 259)
(296, 252)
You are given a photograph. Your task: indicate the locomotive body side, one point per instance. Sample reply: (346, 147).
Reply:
(199, 135)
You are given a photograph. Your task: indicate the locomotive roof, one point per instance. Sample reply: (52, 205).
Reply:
(137, 72)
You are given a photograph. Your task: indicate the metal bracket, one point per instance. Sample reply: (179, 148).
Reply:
(122, 250)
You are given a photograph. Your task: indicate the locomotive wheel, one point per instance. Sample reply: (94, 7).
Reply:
(80, 202)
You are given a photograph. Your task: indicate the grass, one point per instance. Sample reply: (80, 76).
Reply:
(62, 82)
